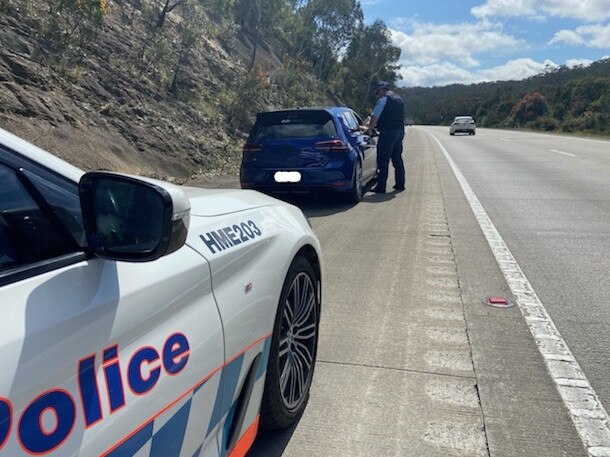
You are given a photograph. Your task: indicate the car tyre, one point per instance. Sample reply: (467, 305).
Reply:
(357, 191)
(294, 343)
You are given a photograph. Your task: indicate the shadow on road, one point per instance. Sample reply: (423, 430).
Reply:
(317, 205)
(325, 204)
(271, 443)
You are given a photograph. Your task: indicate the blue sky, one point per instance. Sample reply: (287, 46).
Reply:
(469, 41)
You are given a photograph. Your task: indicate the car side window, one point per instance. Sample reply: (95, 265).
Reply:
(350, 121)
(27, 233)
(65, 205)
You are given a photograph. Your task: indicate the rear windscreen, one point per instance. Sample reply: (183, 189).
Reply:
(303, 124)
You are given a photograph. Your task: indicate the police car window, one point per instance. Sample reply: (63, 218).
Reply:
(27, 234)
(66, 205)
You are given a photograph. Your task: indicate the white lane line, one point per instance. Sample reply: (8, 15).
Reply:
(505, 139)
(586, 411)
(524, 135)
(567, 137)
(564, 153)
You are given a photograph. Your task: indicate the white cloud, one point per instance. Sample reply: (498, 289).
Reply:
(598, 35)
(592, 36)
(517, 69)
(586, 10)
(505, 8)
(431, 43)
(442, 74)
(569, 37)
(571, 63)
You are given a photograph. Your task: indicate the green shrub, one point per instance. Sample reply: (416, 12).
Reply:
(530, 107)
(72, 22)
(545, 123)
(297, 84)
(241, 104)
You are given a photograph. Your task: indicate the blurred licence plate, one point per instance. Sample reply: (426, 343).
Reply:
(287, 176)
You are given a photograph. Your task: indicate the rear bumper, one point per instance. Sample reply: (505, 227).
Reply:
(311, 180)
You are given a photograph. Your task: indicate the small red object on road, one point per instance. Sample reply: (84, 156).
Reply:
(499, 302)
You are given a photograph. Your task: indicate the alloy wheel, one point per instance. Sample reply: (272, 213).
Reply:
(297, 343)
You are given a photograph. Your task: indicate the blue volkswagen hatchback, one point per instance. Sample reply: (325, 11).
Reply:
(309, 149)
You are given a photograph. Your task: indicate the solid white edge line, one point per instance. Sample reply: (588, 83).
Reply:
(586, 411)
(564, 153)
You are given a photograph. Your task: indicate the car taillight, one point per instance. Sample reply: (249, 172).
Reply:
(248, 147)
(331, 145)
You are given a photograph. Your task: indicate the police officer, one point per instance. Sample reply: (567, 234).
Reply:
(388, 116)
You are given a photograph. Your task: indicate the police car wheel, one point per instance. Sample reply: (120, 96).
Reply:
(293, 350)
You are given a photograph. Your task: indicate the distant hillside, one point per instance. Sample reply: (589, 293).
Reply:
(562, 99)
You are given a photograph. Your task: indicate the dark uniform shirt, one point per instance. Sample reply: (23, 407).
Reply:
(392, 114)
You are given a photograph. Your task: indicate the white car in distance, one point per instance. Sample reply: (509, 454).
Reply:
(463, 124)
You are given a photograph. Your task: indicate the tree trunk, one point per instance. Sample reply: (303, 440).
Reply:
(257, 8)
(163, 14)
(167, 9)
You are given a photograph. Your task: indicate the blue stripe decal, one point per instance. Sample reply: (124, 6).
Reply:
(196, 389)
(262, 367)
(198, 451)
(134, 443)
(225, 431)
(168, 440)
(224, 397)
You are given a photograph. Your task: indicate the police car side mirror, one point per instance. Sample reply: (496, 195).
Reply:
(132, 219)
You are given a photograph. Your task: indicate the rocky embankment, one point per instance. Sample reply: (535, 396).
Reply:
(99, 110)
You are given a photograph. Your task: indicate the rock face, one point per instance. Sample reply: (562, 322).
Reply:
(99, 108)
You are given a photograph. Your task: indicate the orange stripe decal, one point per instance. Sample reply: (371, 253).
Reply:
(185, 394)
(245, 442)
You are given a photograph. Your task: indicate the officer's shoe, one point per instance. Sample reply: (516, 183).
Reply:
(378, 190)
(399, 188)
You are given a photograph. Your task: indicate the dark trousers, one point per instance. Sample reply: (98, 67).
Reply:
(389, 147)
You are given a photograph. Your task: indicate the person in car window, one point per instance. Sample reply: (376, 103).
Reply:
(388, 116)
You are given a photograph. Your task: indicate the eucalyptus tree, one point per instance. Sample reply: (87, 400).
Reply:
(321, 30)
(262, 20)
(369, 57)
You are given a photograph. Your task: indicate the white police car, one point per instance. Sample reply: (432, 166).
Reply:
(140, 318)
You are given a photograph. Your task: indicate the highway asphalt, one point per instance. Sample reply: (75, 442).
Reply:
(412, 361)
